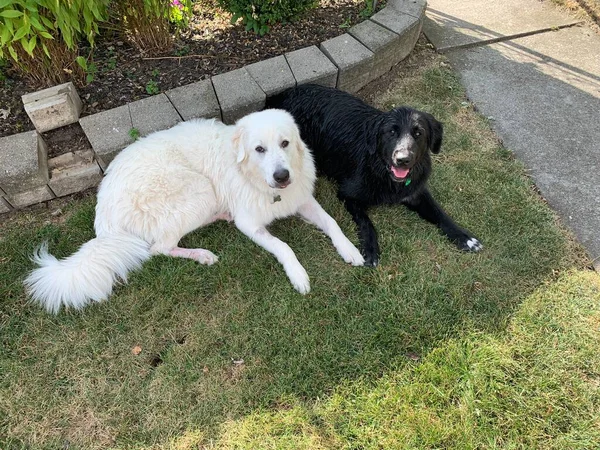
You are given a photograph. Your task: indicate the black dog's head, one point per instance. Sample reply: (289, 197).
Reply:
(405, 138)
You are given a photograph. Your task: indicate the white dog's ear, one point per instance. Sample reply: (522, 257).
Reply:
(238, 143)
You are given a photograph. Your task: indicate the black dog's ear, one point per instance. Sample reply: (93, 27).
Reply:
(436, 133)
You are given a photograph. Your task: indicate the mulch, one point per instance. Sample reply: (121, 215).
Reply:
(211, 45)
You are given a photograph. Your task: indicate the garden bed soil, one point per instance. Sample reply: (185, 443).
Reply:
(211, 45)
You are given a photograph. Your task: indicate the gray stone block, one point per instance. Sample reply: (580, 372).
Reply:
(31, 197)
(53, 107)
(5, 206)
(195, 100)
(394, 20)
(407, 27)
(108, 132)
(73, 172)
(415, 8)
(353, 60)
(310, 65)
(272, 75)
(238, 94)
(382, 42)
(153, 114)
(23, 162)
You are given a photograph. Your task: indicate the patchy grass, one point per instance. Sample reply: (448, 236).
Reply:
(231, 356)
(536, 387)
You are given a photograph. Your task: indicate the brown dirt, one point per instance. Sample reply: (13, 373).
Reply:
(211, 46)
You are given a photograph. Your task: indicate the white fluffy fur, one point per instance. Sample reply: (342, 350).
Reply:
(170, 183)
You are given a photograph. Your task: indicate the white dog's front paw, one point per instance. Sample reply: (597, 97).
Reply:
(299, 279)
(351, 254)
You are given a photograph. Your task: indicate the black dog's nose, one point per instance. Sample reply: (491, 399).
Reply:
(281, 175)
(403, 161)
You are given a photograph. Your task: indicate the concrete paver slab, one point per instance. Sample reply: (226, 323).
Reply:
(543, 92)
(195, 100)
(273, 75)
(53, 107)
(4, 206)
(450, 23)
(108, 132)
(73, 172)
(23, 162)
(153, 114)
(310, 65)
(31, 197)
(238, 94)
(353, 60)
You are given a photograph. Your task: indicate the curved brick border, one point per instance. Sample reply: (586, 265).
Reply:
(348, 62)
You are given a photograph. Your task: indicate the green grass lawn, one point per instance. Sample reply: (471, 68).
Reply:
(433, 349)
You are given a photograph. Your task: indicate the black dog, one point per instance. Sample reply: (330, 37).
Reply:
(375, 157)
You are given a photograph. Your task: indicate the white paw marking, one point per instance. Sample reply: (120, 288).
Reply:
(299, 279)
(203, 256)
(351, 254)
(474, 245)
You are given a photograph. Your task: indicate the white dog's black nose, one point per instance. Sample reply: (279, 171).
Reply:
(281, 176)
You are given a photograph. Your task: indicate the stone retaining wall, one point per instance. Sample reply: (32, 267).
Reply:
(348, 62)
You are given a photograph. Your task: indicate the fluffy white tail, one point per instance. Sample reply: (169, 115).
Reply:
(86, 276)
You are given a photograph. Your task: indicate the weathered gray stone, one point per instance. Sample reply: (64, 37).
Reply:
(310, 65)
(451, 24)
(153, 114)
(73, 172)
(108, 132)
(415, 8)
(53, 107)
(406, 27)
(382, 42)
(353, 60)
(5, 206)
(395, 21)
(23, 162)
(195, 100)
(238, 94)
(31, 197)
(272, 75)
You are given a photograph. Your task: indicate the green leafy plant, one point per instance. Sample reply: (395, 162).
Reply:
(257, 15)
(152, 85)
(41, 36)
(134, 134)
(89, 68)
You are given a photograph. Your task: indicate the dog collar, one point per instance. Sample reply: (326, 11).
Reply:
(407, 182)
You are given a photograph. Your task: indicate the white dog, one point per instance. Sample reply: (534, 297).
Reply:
(170, 183)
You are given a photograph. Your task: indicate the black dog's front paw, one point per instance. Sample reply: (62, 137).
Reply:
(371, 257)
(468, 243)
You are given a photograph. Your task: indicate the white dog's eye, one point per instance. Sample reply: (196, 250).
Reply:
(260, 149)
(284, 144)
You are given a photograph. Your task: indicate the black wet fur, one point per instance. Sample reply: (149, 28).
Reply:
(353, 143)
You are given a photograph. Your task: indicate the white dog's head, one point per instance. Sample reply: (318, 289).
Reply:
(269, 147)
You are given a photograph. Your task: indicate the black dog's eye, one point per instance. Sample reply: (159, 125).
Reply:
(392, 132)
(260, 149)
(416, 132)
(284, 144)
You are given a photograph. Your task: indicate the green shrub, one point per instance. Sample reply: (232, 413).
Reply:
(147, 23)
(257, 15)
(48, 32)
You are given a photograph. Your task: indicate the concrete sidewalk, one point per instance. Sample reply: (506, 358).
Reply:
(542, 92)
